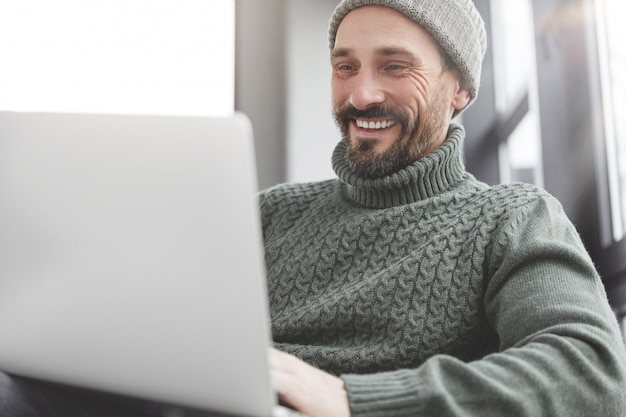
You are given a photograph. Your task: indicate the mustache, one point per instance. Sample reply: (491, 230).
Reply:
(349, 112)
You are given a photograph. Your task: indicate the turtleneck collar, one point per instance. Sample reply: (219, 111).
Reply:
(432, 175)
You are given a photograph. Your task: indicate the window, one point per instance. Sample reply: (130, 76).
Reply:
(612, 62)
(118, 56)
(516, 92)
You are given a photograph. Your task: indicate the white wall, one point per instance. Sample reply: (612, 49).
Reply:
(283, 85)
(260, 82)
(311, 131)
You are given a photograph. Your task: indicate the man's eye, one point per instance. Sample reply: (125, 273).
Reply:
(396, 67)
(345, 67)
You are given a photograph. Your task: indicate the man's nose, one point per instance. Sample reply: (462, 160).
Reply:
(366, 91)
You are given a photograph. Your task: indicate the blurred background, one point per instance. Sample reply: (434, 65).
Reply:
(553, 87)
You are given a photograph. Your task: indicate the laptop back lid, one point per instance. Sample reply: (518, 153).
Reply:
(131, 258)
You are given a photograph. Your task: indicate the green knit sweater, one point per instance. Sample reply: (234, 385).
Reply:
(433, 294)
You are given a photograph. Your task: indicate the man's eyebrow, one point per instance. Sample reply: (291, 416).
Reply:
(384, 51)
(340, 53)
(394, 50)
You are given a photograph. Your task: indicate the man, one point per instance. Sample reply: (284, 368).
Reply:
(407, 287)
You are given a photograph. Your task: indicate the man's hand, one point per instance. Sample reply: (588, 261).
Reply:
(307, 389)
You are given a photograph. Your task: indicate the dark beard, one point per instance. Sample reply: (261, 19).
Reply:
(415, 139)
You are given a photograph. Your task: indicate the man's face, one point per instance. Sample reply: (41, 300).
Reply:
(392, 99)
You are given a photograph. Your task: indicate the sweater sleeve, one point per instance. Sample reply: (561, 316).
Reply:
(560, 352)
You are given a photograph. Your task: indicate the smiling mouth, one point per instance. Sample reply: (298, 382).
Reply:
(374, 125)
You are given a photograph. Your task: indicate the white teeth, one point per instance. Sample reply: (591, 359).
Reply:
(374, 125)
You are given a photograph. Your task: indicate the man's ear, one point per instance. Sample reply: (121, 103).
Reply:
(461, 97)
(461, 91)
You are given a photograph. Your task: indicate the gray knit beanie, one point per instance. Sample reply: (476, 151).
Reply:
(455, 24)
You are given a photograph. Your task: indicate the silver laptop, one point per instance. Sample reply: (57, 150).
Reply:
(131, 258)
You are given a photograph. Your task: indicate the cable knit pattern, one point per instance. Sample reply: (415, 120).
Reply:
(405, 285)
